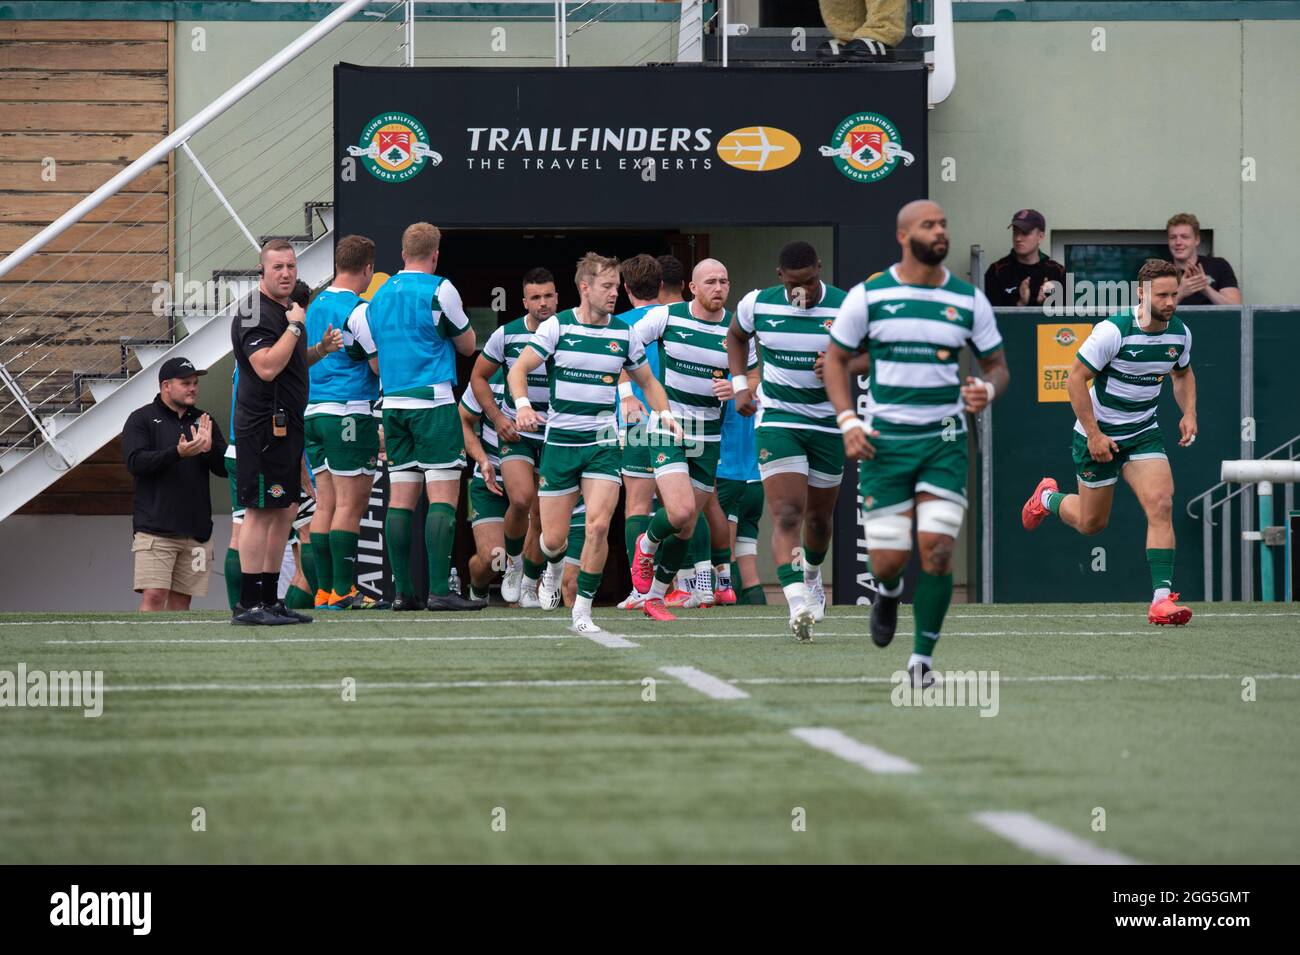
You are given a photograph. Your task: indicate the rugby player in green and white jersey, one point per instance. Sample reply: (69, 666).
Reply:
(913, 320)
(692, 341)
(800, 454)
(521, 452)
(1127, 358)
(584, 349)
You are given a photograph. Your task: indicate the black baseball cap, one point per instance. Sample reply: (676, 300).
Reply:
(1029, 220)
(178, 368)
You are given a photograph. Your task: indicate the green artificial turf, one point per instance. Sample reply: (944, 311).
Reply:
(251, 725)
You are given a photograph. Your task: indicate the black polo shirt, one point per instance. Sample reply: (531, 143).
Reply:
(171, 492)
(1218, 275)
(258, 324)
(1002, 279)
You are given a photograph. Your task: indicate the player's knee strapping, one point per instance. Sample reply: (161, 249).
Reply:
(889, 532)
(939, 517)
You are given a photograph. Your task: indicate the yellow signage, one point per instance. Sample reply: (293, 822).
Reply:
(1057, 344)
(758, 148)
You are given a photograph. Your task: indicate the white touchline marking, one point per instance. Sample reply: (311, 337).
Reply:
(851, 750)
(1081, 678)
(361, 685)
(614, 641)
(712, 616)
(271, 640)
(705, 683)
(562, 683)
(1033, 835)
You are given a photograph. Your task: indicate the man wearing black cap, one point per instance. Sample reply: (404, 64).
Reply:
(1024, 276)
(171, 449)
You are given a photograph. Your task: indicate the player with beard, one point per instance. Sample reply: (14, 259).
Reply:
(913, 320)
(1127, 358)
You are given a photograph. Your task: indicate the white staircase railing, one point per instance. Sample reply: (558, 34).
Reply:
(63, 432)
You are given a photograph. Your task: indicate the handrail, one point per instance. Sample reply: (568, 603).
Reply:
(180, 135)
(1263, 457)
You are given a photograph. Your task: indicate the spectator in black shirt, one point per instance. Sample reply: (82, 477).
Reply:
(1024, 276)
(171, 449)
(1207, 280)
(267, 340)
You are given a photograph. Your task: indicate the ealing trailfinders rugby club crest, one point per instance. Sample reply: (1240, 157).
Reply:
(394, 147)
(866, 147)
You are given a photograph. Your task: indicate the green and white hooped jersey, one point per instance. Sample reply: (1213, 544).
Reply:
(487, 433)
(914, 334)
(693, 355)
(583, 363)
(503, 347)
(789, 340)
(1131, 365)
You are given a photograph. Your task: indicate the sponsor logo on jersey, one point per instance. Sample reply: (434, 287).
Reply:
(607, 379)
(718, 373)
(894, 307)
(943, 354)
(1065, 336)
(758, 148)
(1133, 352)
(394, 147)
(866, 147)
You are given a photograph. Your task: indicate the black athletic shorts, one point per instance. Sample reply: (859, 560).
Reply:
(268, 470)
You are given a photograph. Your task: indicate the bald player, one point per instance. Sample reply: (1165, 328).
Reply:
(913, 320)
(692, 339)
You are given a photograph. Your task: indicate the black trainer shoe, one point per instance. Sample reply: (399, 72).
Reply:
(829, 50)
(257, 616)
(451, 602)
(289, 616)
(402, 602)
(866, 51)
(921, 675)
(367, 602)
(884, 619)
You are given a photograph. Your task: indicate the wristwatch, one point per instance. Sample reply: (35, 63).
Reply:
(296, 328)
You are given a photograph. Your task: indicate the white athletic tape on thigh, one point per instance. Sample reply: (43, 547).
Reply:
(745, 548)
(939, 517)
(442, 474)
(406, 477)
(889, 532)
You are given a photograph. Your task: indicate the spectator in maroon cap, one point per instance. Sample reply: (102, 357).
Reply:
(1024, 276)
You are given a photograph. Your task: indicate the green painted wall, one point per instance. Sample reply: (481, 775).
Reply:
(1158, 123)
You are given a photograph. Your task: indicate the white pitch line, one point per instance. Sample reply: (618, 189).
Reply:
(705, 683)
(361, 685)
(1033, 835)
(851, 750)
(734, 683)
(614, 641)
(267, 641)
(719, 616)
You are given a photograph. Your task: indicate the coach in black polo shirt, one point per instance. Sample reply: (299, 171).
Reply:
(267, 339)
(171, 449)
(1024, 276)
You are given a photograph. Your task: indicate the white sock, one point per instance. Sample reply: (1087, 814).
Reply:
(916, 658)
(704, 580)
(581, 607)
(686, 579)
(648, 546)
(530, 583)
(796, 595)
(556, 567)
(722, 574)
(657, 589)
(1043, 497)
(1160, 595)
(812, 573)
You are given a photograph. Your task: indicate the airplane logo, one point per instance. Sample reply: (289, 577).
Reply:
(758, 148)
